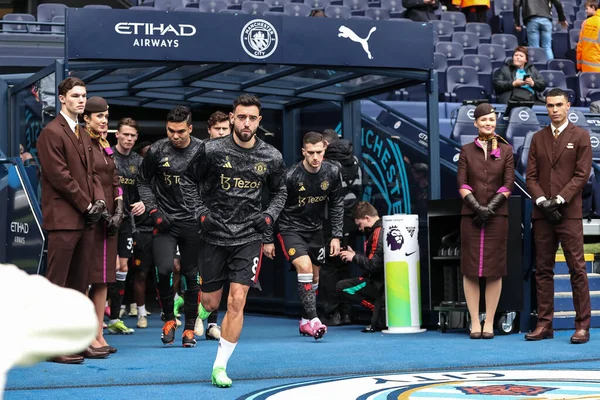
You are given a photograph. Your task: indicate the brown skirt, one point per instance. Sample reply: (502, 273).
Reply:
(483, 251)
(103, 267)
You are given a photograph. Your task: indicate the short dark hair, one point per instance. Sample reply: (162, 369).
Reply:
(127, 122)
(592, 3)
(330, 135)
(180, 114)
(364, 209)
(557, 92)
(69, 84)
(246, 100)
(312, 138)
(522, 49)
(217, 117)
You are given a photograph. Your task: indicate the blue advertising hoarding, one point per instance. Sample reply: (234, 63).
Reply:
(205, 37)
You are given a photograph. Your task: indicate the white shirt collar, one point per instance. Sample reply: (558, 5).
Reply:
(560, 128)
(72, 124)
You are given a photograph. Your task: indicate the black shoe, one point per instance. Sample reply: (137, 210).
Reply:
(373, 329)
(168, 332)
(334, 319)
(346, 320)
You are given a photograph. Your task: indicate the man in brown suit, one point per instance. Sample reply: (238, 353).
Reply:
(558, 167)
(72, 196)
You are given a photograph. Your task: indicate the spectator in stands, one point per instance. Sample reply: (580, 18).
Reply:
(317, 13)
(475, 10)
(537, 16)
(519, 80)
(588, 46)
(558, 167)
(486, 175)
(590, 8)
(420, 10)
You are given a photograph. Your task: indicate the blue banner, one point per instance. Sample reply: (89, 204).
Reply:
(205, 37)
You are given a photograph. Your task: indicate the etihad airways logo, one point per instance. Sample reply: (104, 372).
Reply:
(155, 33)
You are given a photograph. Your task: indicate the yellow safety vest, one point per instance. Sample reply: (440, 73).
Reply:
(588, 47)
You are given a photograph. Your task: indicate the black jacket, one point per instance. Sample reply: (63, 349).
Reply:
(504, 77)
(372, 260)
(418, 11)
(536, 8)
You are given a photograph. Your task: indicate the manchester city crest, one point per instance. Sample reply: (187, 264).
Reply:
(259, 38)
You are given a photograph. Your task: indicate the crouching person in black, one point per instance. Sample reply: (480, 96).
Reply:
(366, 289)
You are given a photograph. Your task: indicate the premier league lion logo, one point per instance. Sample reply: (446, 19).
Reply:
(394, 238)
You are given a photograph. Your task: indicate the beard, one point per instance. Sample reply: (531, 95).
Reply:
(244, 136)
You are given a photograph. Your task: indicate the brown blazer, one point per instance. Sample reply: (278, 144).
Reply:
(560, 167)
(69, 182)
(485, 177)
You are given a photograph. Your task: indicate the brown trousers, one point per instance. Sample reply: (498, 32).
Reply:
(547, 237)
(69, 257)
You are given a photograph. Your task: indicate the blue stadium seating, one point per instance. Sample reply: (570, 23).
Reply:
(98, 6)
(14, 28)
(318, 4)
(568, 68)
(377, 14)
(168, 5)
(589, 87)
(296, 9)
(255, 7)
(523, 153)
(483, 31)
(483, 66)
(462, 83)
(522, 120)
(507, 41)
(464, 131)
(457, 19)
(277, 5)
(453, 51)
(212, 6)
(537, 57)
(357, 7)
(338, 12)
(495, 52)
(47, 11)
(557, 79)
(395, 6)
(469, 41)
(444, 30)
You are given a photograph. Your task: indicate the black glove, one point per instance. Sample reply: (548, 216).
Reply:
(555, 218)
(484, 213)
(478, 222)
(115, 221)
(160, 221)
(262, 223)
(548, 207)
(93, 215)
(208, 223)
(496, 202)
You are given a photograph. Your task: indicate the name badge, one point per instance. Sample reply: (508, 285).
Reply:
(569, 145)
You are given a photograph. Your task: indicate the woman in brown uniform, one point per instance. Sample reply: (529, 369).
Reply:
(486, 176)
(104, 258)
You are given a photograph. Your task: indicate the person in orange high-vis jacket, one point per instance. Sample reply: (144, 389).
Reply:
(588, 47)
(476, 8)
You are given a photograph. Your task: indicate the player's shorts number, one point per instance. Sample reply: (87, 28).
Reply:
(321, 256)
(254, 267)
(129, 243)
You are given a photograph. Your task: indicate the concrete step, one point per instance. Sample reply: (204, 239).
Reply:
(562, 283)
(562, 268)
(566, 320)
(563, 301)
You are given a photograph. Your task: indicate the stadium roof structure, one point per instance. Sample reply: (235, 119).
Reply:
(162, 59)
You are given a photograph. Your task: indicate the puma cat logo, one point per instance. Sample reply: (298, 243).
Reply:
(348, 33)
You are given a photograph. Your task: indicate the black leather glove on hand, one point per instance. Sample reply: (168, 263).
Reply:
(160, 221)
(208, 223)
(263, 222)
(93, 215)
(496, 202)
(555, 218)
(548, 207)
(115, 221)
(484, 213)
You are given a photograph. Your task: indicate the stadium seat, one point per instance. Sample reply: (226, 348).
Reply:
(503, 12)
(277, 5)
(146, 3)
(581, 15)
(521, 121)
(462, 83)
(231, 11)
(338, 12)
(483, 66)
(318, 4)
(58, 28)
(573, 38)
(212, 6)
(453, 51)
(15, 28)
(568, 68)
(143, 8)
(537, 57)
(507, 41)
(357, 7)
(595, 139)
(457, 19)
(377, 14)
(187, 9)
(191, 3)
(98, 6)
(444, 30)
(469, 41)
(296, 9)
(589, 88)
(255, 7)
(495, 52)
(362, 17)
(578, 118)
(577, 23)
(522, 154)
(556, 79)
(168, 5)
(47, 11)
(464, 131)
(483, 31)
(395, 6)
(560, 40)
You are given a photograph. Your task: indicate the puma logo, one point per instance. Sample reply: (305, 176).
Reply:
(348, 33)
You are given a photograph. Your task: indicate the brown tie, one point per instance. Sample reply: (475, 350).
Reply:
(76, 131)
(556, 132)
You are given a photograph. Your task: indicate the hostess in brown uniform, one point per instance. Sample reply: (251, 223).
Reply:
(558, 167)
